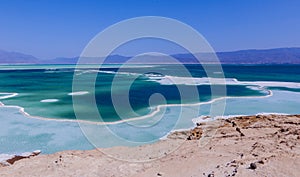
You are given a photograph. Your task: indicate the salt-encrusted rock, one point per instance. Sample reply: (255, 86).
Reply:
(4, 158)
(7, 159)
(36, 152)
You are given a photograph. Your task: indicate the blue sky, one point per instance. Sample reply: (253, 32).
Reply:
(52, 28)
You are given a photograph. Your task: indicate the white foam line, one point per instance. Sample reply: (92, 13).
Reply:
(78, 93)
(230, 116)
(273, 84)
(80, 72)
(269, 113)
(175, 80)
(49, 100)
(8, 95)
(106, 72)
(238, 115)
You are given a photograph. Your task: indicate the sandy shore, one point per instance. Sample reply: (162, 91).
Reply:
(265, 145)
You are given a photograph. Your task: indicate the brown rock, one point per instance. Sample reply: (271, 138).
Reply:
(252, 166)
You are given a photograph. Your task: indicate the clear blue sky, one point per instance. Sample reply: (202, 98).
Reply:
(51, 28)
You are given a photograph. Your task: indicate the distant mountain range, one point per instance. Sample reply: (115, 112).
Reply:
(268, 56)
(17, 58)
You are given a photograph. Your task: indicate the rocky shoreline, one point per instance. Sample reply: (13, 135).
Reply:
(10, 159)
(259, 145)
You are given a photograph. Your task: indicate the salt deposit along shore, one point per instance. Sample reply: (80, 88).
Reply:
(260, 145)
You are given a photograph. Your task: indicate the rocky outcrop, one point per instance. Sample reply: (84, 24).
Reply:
(6, 159)
(243, 146)
(195, 134)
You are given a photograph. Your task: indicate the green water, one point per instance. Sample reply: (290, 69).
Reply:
(54, 82)
(45, 91)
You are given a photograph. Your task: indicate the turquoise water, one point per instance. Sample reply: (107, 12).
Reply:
(46, 92)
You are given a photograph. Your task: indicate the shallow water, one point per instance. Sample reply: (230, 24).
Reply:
(49, 95)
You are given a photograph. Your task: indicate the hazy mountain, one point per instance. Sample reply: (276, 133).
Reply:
(87, 60)
(60, 60)
(16, 58)
(276, 56)
(269, 56)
